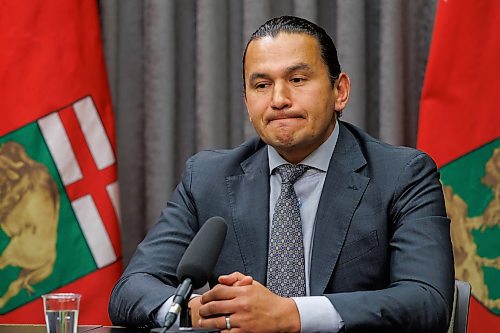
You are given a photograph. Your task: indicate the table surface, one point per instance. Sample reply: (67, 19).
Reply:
(84, 329)
(39, 328)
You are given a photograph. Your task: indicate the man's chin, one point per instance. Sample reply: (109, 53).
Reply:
(285, 147)
(283, 143)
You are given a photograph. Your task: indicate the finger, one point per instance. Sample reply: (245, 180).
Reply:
(216, 308)
(246, 281)
(194, 304)
(217, 322)
(218, 293)
(230, 279)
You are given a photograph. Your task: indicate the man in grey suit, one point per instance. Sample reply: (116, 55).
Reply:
(376, 246)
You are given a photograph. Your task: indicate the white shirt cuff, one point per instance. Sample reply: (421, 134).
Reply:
(317, 314)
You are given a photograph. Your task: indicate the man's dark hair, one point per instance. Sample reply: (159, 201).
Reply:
(297, 25)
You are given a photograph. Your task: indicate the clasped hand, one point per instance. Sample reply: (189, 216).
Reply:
(250, 306)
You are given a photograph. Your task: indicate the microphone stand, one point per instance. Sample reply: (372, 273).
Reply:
(185, 322)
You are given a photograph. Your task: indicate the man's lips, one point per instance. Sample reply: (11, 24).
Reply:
(285, 116)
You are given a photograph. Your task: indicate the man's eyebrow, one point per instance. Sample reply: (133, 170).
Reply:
(299, 66)
(288, 70)
(255, 76)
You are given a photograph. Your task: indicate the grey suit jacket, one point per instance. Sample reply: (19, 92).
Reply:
(381, 249)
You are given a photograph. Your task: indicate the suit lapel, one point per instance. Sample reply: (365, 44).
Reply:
(341, 194)
(249, 201)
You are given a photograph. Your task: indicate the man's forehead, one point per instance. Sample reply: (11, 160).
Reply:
(283, 45)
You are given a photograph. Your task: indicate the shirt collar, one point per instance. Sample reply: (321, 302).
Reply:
(318, 159)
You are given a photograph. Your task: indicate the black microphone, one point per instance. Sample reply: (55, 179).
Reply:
(197, 264)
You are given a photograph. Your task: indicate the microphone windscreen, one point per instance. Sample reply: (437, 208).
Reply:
(203, 252)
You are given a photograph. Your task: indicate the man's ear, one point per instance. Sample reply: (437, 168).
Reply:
(343, 88)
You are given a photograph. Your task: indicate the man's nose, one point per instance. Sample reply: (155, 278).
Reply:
(281, 97)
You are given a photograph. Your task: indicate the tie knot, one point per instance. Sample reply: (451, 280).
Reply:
(291, 172)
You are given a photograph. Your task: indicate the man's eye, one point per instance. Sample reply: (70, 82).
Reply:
(297, 80)
(261, 85)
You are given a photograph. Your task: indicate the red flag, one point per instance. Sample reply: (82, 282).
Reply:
(59, 228)
(459, 127)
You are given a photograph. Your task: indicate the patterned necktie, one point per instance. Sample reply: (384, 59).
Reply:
(285, 265)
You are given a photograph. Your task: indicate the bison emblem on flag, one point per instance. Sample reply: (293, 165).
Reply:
(472, 194)
(29, 215)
